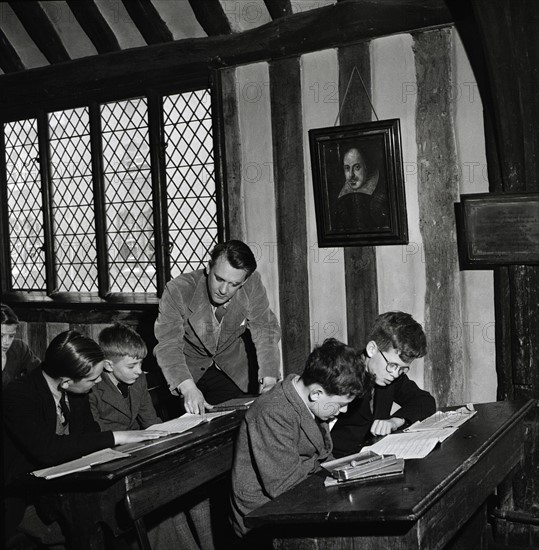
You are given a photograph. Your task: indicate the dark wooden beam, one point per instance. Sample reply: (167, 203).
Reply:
(9, 59)
(94, 25)
(148, 21)
(40, 29)
(278, 8)
(290, 208)
(211, 16)
(360, 273)
(129, 72)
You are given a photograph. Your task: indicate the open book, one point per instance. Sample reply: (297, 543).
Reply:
(420, 438)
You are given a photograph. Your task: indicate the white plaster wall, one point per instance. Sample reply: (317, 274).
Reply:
(258, 183)
(327, 300)
(401, 268)
(476, 333)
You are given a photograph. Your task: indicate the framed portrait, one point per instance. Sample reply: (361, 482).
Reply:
(496, 229)
(359, 184)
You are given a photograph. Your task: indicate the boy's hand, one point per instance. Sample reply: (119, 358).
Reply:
(193, 399)
(385, 427)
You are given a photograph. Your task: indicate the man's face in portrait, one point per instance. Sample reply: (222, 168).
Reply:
(355, 171)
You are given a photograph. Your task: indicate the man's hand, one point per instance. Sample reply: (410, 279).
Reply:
(266, 384)
(385, 427)
(193, 399)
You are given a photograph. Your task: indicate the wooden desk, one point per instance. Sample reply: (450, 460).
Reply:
(90, 499)
(440, 503)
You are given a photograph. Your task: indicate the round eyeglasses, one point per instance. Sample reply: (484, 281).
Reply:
(393, 368)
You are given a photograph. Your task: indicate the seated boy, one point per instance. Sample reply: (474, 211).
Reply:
(17, 358)
(284, 436)
(396, 339)
(47, 419)
(121, 401)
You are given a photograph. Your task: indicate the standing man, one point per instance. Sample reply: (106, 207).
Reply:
(396, 339)
(202, 317)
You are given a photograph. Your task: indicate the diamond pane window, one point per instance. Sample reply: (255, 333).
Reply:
(191, 195)
(26, 235)
(73, 201)
(128, 196)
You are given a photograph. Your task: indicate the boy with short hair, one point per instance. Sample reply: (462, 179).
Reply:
(284, 436)
(396, 339)
(121, 400)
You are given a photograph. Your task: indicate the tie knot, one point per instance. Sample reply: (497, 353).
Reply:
(220, 313)
(124, 388)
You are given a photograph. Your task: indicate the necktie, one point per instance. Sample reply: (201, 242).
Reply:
(220, 313)
(64, 407)
(124, 388)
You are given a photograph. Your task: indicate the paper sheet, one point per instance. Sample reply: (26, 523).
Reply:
(410, 445)
(443, 420)
(186, 422)
(80, 464)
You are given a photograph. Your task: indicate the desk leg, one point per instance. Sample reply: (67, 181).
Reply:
(472, 535)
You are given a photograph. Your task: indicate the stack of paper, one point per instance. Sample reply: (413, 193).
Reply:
(361, 467)
(80, 464)
(186, 422)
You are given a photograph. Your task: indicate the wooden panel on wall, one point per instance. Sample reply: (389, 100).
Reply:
(230, 145)
(359, 262)
(438, 191)
(511, 48)
(289, 174)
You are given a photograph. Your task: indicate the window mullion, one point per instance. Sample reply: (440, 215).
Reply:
(159, 195)
(46, 197)
(5, 257)
(99, 200)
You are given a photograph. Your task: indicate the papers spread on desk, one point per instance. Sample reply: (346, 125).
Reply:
(80, 464)
(186, 422)
(444, 419)
(420, 438)
(410, 445)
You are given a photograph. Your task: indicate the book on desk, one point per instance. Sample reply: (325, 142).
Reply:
(362, 466)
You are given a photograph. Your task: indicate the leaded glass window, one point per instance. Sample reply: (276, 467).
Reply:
(101, 211)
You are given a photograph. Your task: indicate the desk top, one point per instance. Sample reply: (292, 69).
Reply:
(179, 450)
(403, 499)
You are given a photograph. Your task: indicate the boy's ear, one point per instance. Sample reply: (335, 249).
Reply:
(107, 365)
(65, 383)
(207, 269)
(315, 393)
(371, 348)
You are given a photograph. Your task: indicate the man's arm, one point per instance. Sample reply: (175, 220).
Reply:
(265, 332)
(169, 331)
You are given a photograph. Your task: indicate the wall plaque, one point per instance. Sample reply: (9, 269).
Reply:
(499, 229)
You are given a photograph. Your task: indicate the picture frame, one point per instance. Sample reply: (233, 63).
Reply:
(495, 229)
(358, 184)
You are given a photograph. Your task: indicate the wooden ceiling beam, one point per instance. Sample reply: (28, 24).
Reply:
(9, 59)
(40, 29)
(211, 16)
(148, 21)
(278, 8)
(134, 71)
(94, 25)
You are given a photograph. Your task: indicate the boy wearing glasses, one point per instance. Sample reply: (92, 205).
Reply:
(396, 339)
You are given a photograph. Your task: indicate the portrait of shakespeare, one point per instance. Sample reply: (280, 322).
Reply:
(362, 203)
